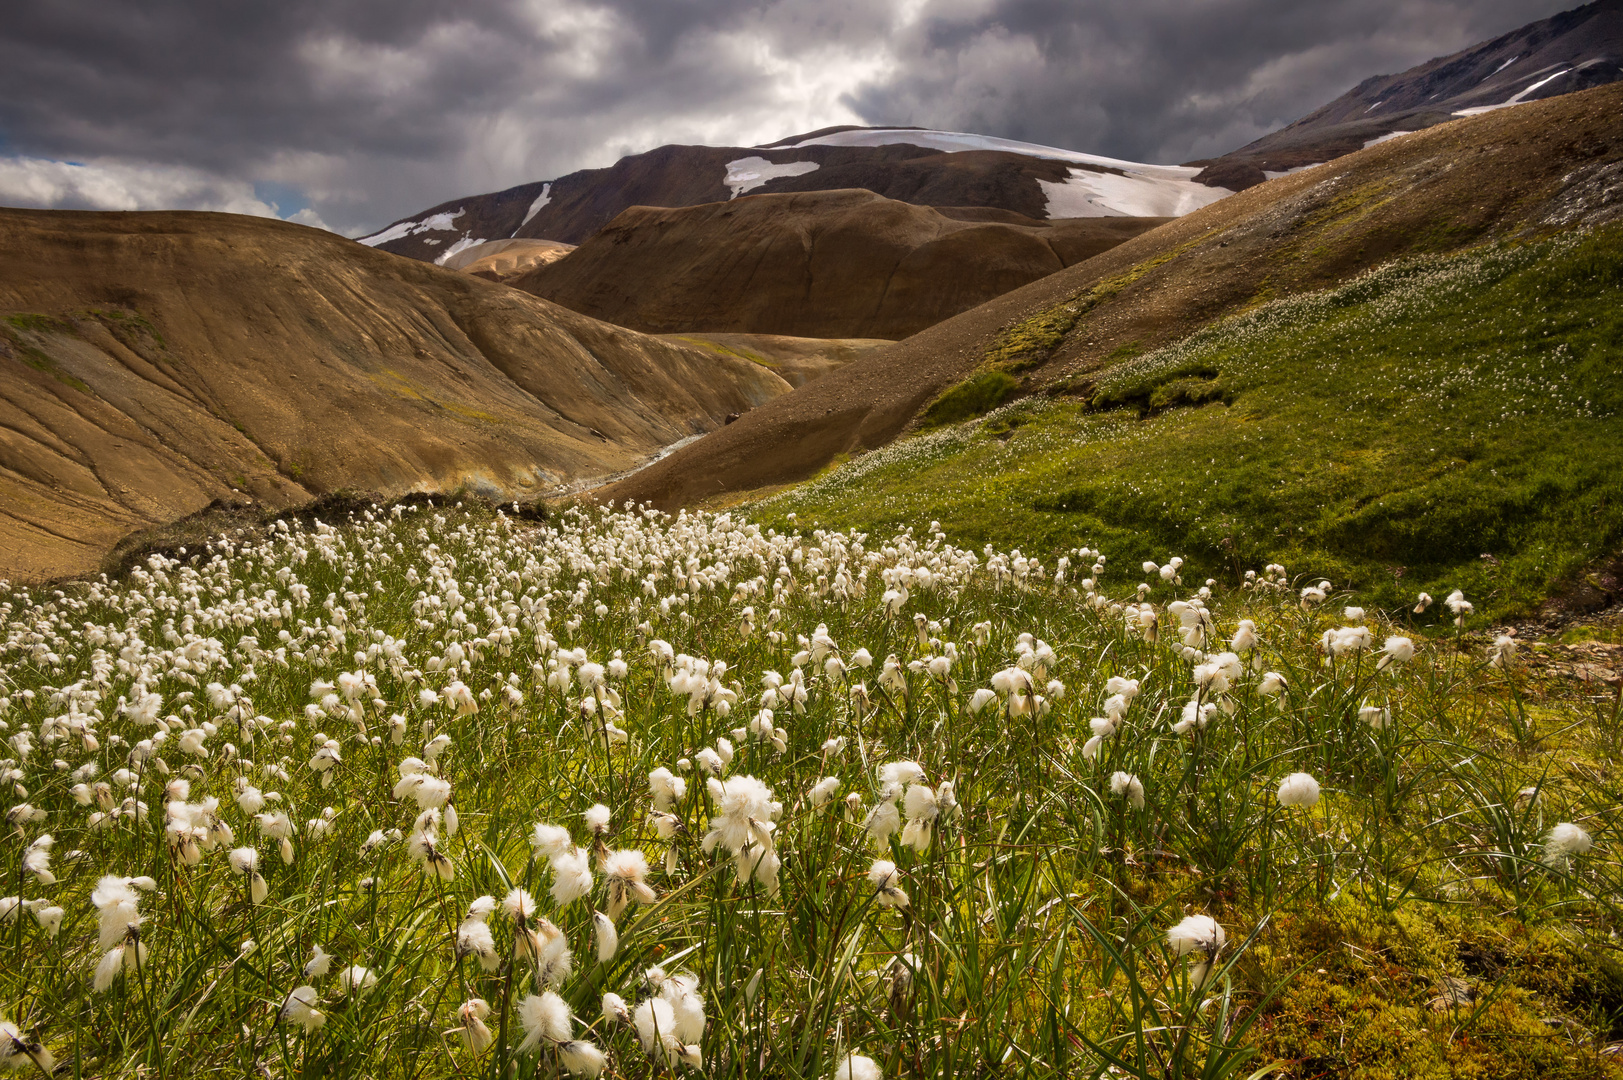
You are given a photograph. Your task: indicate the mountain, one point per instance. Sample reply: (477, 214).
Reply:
(923, 167)
(151, 363)
(1548, 165)
(827, 264)
(1572, 51)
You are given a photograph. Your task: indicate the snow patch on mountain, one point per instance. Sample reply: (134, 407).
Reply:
(749, 173)
(1130, 189)
(1086, 193)
(1521, 97)
(432, 223)
(535, 207)
(1378, 140)
(461, 245)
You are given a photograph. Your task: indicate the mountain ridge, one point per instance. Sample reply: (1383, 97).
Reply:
(958, 171)
(1568, 52)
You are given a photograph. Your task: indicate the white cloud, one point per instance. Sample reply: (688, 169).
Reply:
(122, 185)
(309, 217)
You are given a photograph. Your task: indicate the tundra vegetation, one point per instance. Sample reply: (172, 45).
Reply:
(435, 791)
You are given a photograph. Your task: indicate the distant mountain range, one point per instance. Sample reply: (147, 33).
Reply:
(952, 171)
(1575, 50)
(942, 169)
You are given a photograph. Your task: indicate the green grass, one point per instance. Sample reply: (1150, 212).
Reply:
(1438, 423)
(1034, 941)
(975, 396)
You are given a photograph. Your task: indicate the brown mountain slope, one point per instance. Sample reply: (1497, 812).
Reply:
(818, 264)
(1549, 164)
(1568, 52)
(151, 363)
(796, 360)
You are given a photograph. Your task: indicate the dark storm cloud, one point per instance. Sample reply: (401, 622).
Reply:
(1167, 80)
(375, 108)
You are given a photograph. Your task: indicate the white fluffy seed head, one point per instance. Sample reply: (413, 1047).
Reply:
(1298, 789)
(1197, 934)
(857, 1067)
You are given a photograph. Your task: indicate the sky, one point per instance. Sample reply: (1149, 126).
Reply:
(350, 114)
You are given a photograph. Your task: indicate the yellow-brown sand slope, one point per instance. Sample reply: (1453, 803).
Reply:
(153, 362)
(503, 260)
(1533, 168)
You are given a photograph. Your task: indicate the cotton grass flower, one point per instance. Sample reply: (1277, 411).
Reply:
(581, 1058)
(615, 1010)
(1198, 935)
(37, 860)
(1298, 789)
(572, 878)
(857, 1067)
(299, 1007)
(16, 1050)
(1375, 716)
(473, 936)
(608, 938)
(742, 823)
(245, 863)
(357, 979)
(666, 788)
(118, 908)
(1126, 785)
(545, 1018)
(822, 792)
(474, 1032)
(883, 876)
(319, 964)
(921, 810)
(625, 872)
(1397, 650)
(655, 1021)
(1565, 842)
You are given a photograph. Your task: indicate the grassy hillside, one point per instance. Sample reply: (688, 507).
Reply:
(1439, 423)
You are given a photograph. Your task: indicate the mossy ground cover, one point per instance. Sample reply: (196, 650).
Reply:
(1441, 422)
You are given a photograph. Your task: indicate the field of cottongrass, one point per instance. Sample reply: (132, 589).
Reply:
(435, 791)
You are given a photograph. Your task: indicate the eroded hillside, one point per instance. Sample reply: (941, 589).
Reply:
(152, 363)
